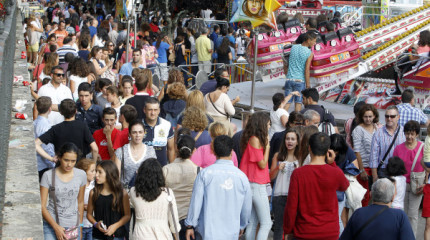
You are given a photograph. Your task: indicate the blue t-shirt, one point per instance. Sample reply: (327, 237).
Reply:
(297, 63)
(127, 69)
(84, 54)
(162, 52)
(232, 39)
(392, 224)
(93, 31)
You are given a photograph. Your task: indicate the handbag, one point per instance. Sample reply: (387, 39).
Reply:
(354, 193)
(172, 56)
(72, 232)
(225, 114)
(417, 178)
(170, 199)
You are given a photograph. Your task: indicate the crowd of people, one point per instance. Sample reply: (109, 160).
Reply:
(122, 158)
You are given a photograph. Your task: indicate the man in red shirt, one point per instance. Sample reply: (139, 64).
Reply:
(128, 114)
(154, 25)
(312, 208)
(105, 137)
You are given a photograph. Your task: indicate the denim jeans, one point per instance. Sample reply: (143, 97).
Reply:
(49, 233)
(341, 205)
(278, 205)
(291, 86)
(87, 233)
(260, 213)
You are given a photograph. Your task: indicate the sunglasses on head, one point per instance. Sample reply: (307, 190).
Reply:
(390, 116)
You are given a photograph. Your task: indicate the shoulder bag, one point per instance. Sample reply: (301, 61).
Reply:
(368, 222)
(170, 199)
(417, 178)
(72, 232)
(225, 114)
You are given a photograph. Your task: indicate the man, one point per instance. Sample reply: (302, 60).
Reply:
(312, 207)
(93, 27)
(66, 48)
(214, 35)
(83, 52)
(219, 186)
(89, 113)
(113, 34)
(381, 141)
(159, 132)
(210, 85)
(136, 62)
(68, 131)
(57, 92)
(311, 26)
(128, 114)
(379, 220)
(42, 125)
(310, 100)
(106, 136)
(139, 99)
(204, 51)
(408, 112)
(312, 117)
(218, 41)
(61, 33)
(298, 72)
(154, 25)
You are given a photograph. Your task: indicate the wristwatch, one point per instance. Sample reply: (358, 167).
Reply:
(189, 227)
(362, 170)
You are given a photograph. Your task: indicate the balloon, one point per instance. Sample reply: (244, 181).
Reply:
(257, 12)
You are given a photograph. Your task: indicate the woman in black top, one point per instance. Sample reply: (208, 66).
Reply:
(224, 52)
(180, 56)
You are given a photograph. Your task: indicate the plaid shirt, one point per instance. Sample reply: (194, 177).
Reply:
(381, 140)
(407, 113)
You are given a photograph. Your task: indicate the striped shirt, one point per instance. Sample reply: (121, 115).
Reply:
(407, 112)
(381, 140)
(362, 143)
(62, 51)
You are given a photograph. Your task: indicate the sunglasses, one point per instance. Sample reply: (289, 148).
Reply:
(59, 74)
(390, 116)
(110, 45)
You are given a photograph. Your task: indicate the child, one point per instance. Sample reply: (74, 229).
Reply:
(89, 166)
(106, 136)
(127, 89)
(112, 95)
(108, 205)
(283, 164)
(396, 169)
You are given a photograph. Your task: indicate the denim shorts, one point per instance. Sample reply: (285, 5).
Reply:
(291, 86)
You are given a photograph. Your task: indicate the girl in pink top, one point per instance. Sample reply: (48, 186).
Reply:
(255, 147)
(407, 152)
(204, 156)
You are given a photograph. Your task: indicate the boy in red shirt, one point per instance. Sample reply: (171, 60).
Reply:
(312, 206)
(105, 137)
(128, 114)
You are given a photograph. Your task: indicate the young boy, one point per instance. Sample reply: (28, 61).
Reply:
(128, 114)
(104, 83)
(42, 125)
(88, 112)
(106, 136)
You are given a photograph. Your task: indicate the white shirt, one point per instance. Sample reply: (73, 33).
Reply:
(275, 118)
(57, 95)
(77, 80)
(399, 199)
(88, 189)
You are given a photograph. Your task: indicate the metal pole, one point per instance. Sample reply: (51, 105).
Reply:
(254, 71)
(135, 24)
(128, 40)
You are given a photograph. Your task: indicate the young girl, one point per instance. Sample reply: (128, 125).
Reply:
(69, 191)
(283, 164)
(127, 89)
(112, 95)
(108, 205)
(396, 169)
(255, 147)
(89, 166)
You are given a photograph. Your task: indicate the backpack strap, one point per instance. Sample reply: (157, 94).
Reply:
(57, 220)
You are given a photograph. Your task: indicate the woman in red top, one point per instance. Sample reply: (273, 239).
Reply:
(255, 147)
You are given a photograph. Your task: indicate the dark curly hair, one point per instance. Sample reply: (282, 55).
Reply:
(256, 126)
(80, 68)
(395, 167)
(112, 179)
(149, 180)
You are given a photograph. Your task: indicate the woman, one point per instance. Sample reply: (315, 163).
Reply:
(78, 74)
(368, 123)
(163, 44)
(204, 155)
(50, 41)
(180, 56)
(194, 99)
(173, 107)
(408, 151)
(127, 89)
(195, 120)
(224, 52)
(95, 58)
(254, 9)
(114, 102)
(52, 60)
(219, 106)
(100, 38)
(151, 54)
(34, 31)
(110, 73)
(175, 75)
(305, 158)
(150, 199)
(194, 56)
(344, 157)
(69, 188)
(279, 115)
(283, 164)
(351, 124)
(255, 147)
(129, 157)
(180, 176)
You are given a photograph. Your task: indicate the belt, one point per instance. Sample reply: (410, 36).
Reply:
(295, 80)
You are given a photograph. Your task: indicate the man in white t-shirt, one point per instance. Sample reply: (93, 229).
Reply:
(57, 92)
(206, 14)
